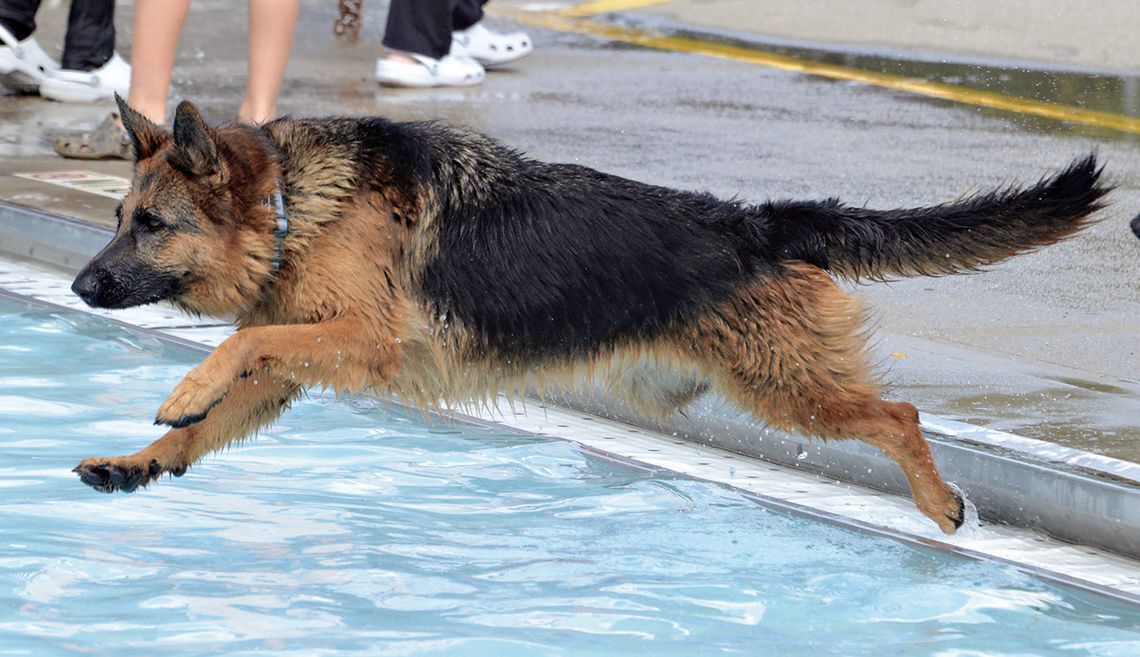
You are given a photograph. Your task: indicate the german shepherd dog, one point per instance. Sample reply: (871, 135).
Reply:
(435, 263)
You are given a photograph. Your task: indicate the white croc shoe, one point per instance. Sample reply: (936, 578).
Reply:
(23, 64)
(449, 71)
(490, 48)
(103, 83)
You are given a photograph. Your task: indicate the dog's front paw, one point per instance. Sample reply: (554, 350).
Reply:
(124, 473)
(190, 402)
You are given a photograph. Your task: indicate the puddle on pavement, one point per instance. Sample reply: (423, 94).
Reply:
(1081, 417)
(1092, 385)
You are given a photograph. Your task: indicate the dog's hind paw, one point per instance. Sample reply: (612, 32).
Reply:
(188, 404)
(948, 509)
(123, 473)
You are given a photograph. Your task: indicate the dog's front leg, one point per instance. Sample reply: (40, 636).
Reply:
(344, 353)
(252, 403)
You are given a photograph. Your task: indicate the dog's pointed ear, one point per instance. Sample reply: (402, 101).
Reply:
(145, 136)
(195, 150)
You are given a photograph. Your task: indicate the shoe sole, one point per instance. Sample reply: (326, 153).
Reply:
(20, 82)
(428, 85)
(492, 63)
(388, 80)
(73, 94)
(489, 64)
(498, 59)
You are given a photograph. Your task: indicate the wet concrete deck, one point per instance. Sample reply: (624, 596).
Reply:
(1044, 345)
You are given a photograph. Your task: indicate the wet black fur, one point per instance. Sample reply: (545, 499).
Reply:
(564, 259)
(553, 259)
(545, 260)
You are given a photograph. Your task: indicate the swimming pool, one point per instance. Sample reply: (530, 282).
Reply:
(353, 527)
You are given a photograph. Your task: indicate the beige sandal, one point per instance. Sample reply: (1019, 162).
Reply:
(108, 141)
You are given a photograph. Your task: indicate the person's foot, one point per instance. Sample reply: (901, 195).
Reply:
(490, 48)
(23, 64)
(103, 83)
(402, 69)
(108, 141)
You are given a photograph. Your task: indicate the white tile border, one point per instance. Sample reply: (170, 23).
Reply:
(91, 182)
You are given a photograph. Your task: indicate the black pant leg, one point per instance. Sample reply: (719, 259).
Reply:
(420, 26)
(467, 13)
(19, 17)
(90, 39)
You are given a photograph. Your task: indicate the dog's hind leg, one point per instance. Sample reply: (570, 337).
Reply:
(791, 349)
(252, 403)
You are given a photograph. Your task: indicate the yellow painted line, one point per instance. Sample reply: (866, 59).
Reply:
(562, 22)
(608, 6)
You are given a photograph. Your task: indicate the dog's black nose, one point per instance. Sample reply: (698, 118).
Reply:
(1136, 225)
(86, 285)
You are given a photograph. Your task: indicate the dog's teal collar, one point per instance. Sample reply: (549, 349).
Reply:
(281, 228)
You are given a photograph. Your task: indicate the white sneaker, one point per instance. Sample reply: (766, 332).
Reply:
(449, 71)
(70, 86)
(490, 48)
(23, 64)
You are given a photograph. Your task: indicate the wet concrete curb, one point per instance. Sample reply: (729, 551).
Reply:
(50, 238)
(1069, 494)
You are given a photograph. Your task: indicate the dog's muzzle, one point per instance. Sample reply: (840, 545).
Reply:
(100, 287)
(90, 283)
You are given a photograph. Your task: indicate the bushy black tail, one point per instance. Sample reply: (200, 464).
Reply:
(858, 243)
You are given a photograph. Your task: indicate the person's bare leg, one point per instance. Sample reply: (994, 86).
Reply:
(157, 26)
(272, 24)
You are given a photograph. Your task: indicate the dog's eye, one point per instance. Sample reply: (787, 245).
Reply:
(151, 222)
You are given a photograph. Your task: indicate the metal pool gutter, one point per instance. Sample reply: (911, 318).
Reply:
(1074, 496)
(49, 238)
(1069, 494)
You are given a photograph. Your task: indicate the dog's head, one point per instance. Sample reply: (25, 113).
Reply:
(193, 229)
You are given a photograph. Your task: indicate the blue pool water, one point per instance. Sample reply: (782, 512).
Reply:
(355, 528)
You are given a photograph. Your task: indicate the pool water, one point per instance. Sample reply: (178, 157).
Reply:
(353, 527)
